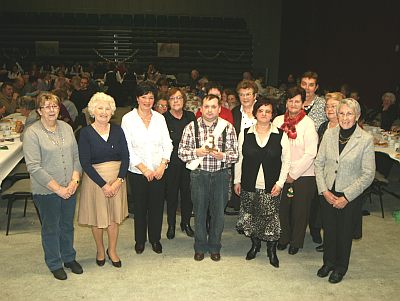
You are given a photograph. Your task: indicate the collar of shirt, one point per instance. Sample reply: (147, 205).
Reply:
(208, 127)
(274, 129)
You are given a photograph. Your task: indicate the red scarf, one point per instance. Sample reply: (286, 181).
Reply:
(289, 124)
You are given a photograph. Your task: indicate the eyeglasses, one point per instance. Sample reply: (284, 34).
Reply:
(176, 98)
(247, 95)
(162, 106)
(48, 108)
(348, 115)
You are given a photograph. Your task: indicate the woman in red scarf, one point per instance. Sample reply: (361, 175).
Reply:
(299, 188)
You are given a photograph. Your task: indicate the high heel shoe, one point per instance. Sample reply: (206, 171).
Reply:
(186, 228)
(116, 264)
(100, 263)
(255, 248)
(271, 252)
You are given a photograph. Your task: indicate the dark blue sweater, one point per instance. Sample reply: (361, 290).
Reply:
(93, 150)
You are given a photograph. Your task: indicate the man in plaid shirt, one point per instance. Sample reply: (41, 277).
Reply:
(210, 180)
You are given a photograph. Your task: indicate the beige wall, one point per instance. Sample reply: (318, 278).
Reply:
(263, 18)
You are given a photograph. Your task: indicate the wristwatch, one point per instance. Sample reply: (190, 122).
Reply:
(121, 180)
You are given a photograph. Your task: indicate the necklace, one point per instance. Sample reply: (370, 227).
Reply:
(343, 140)
(144, 118)
(55, 136)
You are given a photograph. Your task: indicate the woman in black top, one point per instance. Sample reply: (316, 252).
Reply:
(264, 161)
(177, 175)
(104, 156)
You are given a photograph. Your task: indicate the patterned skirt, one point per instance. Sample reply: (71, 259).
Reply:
(259, 215)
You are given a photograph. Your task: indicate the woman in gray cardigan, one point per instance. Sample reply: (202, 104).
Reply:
(344, 168)
(51, 155)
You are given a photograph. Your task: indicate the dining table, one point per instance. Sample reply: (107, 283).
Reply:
(386, 142)
(11, 152)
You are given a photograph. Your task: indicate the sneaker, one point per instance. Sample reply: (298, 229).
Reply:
(75, 267)
(59, 274)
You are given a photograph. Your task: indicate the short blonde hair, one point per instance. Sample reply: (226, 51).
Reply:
(335, 96)
(101, 97)
(46, 96)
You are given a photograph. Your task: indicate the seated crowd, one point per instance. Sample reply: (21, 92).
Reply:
(281, 168)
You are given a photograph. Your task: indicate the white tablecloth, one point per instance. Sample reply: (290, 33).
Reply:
(379, 134)
(389, 151)
(10, 158)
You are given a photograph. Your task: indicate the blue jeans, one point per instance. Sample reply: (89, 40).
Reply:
(209, 192)
(57, 217)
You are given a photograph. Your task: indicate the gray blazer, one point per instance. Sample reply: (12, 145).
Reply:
(353, 170)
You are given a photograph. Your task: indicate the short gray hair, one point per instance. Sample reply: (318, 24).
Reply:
(352, 104)
(391, 96)
(101, 97)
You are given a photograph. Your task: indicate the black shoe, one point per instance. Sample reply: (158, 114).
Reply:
(271, 252)
(157, 247)
(324, 271)
(100, 263)
(198, 256)
(139, 248)
(281, 247)
(335, 277)
(186, 228)
(75, 267)
(365, 212)
(255, 248)
(171, 232)
(116, 264)
(59, 274)
(215, 256)
(293, 250)
(316, 236)
(320, 248)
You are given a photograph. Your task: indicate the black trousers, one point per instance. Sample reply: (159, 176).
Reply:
(178, 182)
(315, 220)
(339, 226)
(148, 198)
(294, 212)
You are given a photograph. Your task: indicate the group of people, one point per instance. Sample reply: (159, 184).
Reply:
(308, 166)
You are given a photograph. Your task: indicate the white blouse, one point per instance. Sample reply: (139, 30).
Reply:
(146, 145)
(285, 158)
